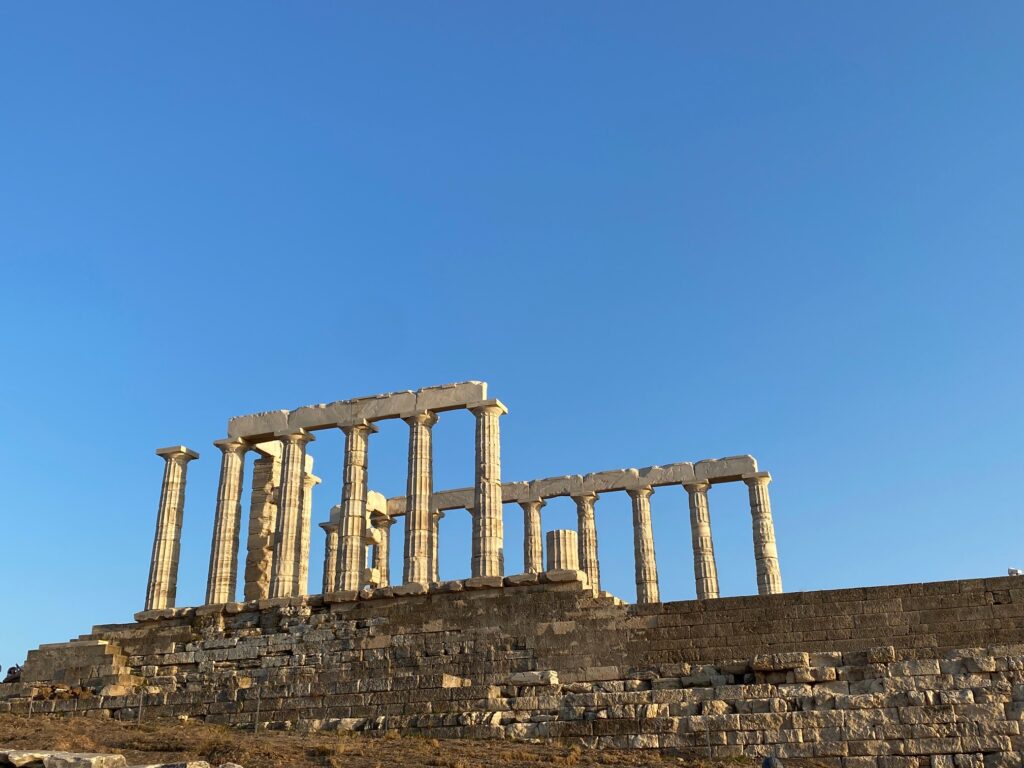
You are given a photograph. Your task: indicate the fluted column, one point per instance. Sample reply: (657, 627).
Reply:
(436, 515)
(587, 529)
(223, 576)
(162, 587)
(766, 555)
(705, 572)
(382, 550)
(419, 489)
(284, 578)
(488, 532)
(309, 480)
(532, 549)
(563, 551)
(330, 555)
(266, 481)
(351, 547)
(643, 547)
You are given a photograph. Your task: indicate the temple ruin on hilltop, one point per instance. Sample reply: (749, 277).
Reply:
(908, 676)
(278, 544)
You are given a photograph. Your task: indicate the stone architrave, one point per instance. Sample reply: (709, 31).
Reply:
(330, 529)
(259, 559)
(419, 489)
(643, 546)
(309, 480)
(436, 515)
(563, 551)
(488, 557)
(351, 541)
(532, 547)
(162, 587)
(587, 529)
(223, 575)
(382, 549)
(766, 555)
(705, 571)
(284, 579)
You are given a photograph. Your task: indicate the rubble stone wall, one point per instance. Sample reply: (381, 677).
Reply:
(919, 675)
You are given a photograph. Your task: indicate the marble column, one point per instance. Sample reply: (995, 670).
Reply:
(223, 576)
(284, 577)
(488, 533)
(419, 489)
(309, 480)
(351, 547)
(705, 572)
(766, 556)
(259, 558)
(532, 549)
(163, 568)
(382, 550)
(587, 530)
(563, 551)
(643, 547)
(330, 555)
(436, 515)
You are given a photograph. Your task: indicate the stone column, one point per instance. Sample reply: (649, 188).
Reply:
(309, 480)
(766, 556)
(488, 533)
(587, 528)
(563, 551)
(532, 550)
(705, 572)
(284, 578)
(223, 576)
(351, 547)
(259, 559)
(163, 568)
(330, 555)
(382, 551)
(436, 515)
(643, 547)
(419, 490)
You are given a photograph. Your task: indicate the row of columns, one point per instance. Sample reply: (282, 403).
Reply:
(769, 578)
(348, 536)
(352, 532)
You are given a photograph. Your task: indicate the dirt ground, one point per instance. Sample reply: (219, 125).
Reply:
(168, 741)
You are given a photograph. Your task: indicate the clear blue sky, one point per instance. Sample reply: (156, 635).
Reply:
(661, 231)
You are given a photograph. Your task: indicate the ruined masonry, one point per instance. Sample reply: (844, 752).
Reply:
(915, 676)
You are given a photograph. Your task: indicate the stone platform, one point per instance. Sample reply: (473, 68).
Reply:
(880, 677)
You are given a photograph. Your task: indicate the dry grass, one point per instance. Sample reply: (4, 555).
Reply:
(166, 741)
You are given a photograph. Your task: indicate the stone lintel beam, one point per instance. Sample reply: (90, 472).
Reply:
(392, 405)
(712, 471)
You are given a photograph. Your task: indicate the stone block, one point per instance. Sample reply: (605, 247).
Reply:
(726, 469)
(611, 480)
(256, 425)
(567, 485)
(483, 582)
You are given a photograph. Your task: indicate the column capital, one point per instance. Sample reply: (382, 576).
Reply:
(177, 452)
(350, 426)
(584, 498)
(298, 436)
(757, 478)
(309, 480)
(437, 514)
(235, 445)
(697, 486)
(381, 520)
(420, 418)
(644, 492)
(329, 526)
(538, 503)
(488, 406)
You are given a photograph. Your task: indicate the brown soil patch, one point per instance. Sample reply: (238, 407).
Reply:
(167, 741)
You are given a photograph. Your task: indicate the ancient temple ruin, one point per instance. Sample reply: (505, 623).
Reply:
(924, 675)
(358, 534)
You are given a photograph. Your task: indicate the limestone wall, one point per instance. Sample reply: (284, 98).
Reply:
(892, 676)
